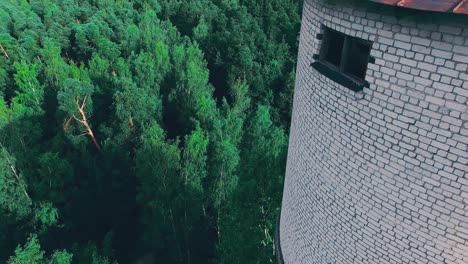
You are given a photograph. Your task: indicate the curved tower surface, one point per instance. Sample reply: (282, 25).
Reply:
(377, 162)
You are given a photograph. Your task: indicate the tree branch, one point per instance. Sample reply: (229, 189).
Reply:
(4, 51)
(130, 121)
(85, 123)
(67, 123)
(84, 102)
(79, 120)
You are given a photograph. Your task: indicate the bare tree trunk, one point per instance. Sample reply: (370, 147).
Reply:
(85, 123)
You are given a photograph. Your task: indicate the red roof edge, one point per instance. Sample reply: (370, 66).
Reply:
(447, 6)
(462, 8)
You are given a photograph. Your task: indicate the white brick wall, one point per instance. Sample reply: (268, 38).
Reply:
(380, 176)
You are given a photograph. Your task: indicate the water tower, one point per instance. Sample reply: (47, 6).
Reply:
(377, 163)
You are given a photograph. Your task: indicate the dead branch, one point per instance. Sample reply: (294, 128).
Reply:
(4, 51)
(83, 134)
(84, 121)
(66, 123)
(78, 120)
(130, 121)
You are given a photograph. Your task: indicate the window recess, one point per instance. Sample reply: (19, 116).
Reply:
(343, 59)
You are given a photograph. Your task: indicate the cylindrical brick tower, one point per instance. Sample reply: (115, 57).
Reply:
(377, 163)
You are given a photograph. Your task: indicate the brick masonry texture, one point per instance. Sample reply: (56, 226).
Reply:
(380, 176)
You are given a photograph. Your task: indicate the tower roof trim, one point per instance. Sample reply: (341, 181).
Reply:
(447, 6)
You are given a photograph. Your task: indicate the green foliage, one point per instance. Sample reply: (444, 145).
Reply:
(100, 260)
(56, 69)
(14, 198)
(72, 95)
(264, 156)
(144, 129)
(200, 32)
(30, 93)
(31, 253)
(223, 165)
(251, 40)
(54, 175)
(194, 169)
(61, 257)
(46, 214)
(158, 169)
(5, 113)
(91, 253)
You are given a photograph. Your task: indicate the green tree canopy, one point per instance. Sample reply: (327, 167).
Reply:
(143, 129)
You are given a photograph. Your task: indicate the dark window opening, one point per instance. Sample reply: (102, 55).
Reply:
(344, 59)
(358, 56)
(335, 48)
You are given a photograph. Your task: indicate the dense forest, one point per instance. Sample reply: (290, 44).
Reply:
(143, 131)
